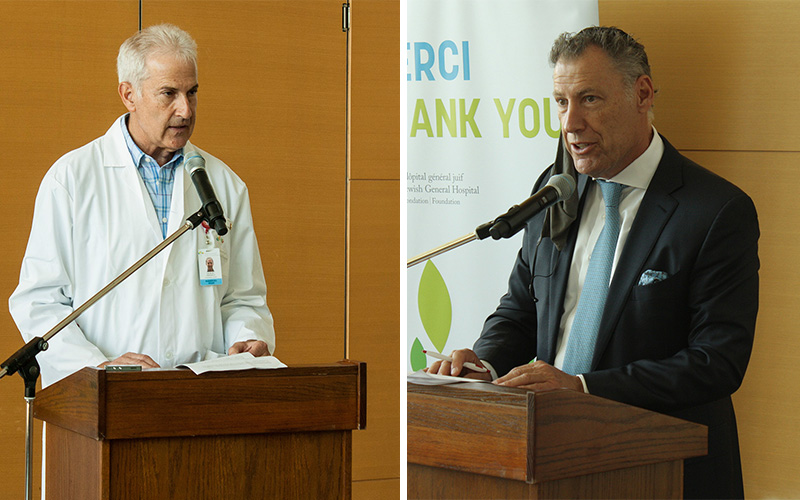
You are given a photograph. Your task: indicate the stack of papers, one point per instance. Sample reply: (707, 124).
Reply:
(422, 378)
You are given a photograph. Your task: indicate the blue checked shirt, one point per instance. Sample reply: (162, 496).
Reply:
(158, 180)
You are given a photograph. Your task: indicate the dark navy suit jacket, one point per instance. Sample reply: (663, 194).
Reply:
(679, 346)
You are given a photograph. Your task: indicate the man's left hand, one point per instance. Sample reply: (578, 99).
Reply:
(255, 347)
(538, 376)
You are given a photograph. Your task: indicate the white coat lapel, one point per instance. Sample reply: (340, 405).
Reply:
(177, 208)
(184, 199)
(116, 155)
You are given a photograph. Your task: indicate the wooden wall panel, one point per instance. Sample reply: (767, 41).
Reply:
(374, 241)
(375, 110)
(767, 406)
(57, 92)
(719, 66)
(272, 106)
(727, 73)
(370, 490)
(373, 323)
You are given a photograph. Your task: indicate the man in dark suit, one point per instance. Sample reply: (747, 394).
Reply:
(674, 331)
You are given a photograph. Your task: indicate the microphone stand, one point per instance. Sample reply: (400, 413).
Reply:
(501, 227)
(24, 360)
(511, 222)
(481, 232)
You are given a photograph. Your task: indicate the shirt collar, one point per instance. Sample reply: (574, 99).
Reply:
(137, 155)
(641, 171)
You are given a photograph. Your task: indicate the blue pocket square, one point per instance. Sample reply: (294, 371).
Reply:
(650, 276)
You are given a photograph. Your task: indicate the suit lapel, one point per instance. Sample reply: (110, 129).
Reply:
(655, 211)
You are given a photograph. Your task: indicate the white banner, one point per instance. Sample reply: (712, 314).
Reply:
(481, 128)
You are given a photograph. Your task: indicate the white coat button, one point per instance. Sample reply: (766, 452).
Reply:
(168, 355)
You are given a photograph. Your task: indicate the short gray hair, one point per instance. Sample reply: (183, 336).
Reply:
(627, 54)
(158, 39)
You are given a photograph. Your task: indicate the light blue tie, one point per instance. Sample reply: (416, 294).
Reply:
(583, 336)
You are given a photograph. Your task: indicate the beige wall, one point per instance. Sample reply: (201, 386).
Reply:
(728, 75)
(272, 104)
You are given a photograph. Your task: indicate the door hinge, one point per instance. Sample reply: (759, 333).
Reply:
(345, 17)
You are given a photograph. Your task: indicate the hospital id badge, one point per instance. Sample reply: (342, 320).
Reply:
(210, 265)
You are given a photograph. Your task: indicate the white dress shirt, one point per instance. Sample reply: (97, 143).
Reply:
(635, 178)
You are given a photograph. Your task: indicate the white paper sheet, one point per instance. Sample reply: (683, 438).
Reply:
(422, 378)
(241, 361)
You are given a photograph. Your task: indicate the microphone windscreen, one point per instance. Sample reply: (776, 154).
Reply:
(193, 160)
(564, 184)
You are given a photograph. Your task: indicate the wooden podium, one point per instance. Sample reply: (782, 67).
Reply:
(478, 440)
(251, 434)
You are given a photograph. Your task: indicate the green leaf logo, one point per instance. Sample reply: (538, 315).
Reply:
(418, 358)
(435, 309)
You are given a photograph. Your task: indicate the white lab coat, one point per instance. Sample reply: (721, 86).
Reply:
(94, 218)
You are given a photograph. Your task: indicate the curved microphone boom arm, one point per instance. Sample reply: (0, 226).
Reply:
(558, 188)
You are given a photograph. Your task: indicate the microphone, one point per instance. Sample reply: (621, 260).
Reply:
(196, 166)
(558, 188)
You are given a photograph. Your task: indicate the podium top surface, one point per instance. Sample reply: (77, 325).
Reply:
(175, 402)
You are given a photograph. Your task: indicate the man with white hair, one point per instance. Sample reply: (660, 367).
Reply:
(103, 206)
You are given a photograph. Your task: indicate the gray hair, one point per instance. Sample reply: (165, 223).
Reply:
(158, 39)
(627, 55)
